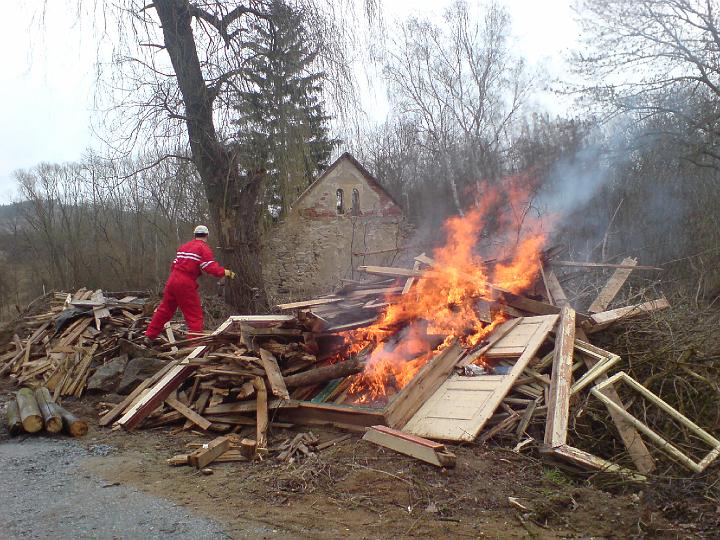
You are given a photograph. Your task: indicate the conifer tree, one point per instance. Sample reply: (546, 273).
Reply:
(282, 122)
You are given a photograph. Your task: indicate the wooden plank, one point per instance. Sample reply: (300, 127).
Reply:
(559, 298)
(171, 337)
(390, 271)
(589, 461)
(556, 424)
(344, 416)
(99, 313)
(612, 287)
(188, 413)
(309, 303)
(202, 457)
(254, 320)
(262, 412)
(79, 328)
(412, 446)
(526, 418)
(118, 409)
(409, 282)
(200, 405)
(169, 382)
(536, 307)
(249, 406)
(603, 265)
(504, 425)
(422, 386)
(638, 452)
(600, 321)
(460, 407)
(275, 378)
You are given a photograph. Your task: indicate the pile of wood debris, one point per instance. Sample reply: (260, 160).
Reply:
(72, 335)
(521, 383)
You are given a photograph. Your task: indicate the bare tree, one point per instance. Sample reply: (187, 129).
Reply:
(652, 58)
(461, 86)
(180, 66)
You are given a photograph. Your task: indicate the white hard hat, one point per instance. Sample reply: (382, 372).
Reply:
(201, 229)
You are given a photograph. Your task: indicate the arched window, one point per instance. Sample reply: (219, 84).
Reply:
(355, 202)
(340, 201)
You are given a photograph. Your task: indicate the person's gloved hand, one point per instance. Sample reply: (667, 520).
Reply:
(229, 274)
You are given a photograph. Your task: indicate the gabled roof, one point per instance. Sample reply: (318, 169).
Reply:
(369, 178)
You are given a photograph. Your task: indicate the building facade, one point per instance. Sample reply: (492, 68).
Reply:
(342, 220)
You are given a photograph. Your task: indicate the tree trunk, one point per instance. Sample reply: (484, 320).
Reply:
(51, 417)
(72, 424)
(12, 413)
(29, 412)
(232, 199)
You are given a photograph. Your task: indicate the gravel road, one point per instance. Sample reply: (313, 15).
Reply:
(45, 493)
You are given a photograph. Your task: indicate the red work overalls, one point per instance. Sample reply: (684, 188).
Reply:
(181, 287)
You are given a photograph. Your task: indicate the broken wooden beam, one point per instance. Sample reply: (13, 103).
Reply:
(275, 378)
(202, 457)
(188, 413)
(410, 445)
(613, 286)
(604, 265)
(262, 412)
(557, 294)
(588, 461)
(556, 425)
(600, 321)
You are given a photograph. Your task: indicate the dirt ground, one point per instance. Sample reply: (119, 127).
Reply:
(354, 489)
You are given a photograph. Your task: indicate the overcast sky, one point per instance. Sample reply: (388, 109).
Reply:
(47, 81)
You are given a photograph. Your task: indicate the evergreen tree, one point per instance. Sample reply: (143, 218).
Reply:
(282, 122)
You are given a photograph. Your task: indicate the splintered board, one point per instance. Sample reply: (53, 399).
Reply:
(459, 409)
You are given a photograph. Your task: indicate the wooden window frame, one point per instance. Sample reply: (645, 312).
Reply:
(662, 443)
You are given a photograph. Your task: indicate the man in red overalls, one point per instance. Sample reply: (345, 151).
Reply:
(181, 287)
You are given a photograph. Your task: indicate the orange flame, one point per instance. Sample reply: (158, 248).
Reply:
(441, 306)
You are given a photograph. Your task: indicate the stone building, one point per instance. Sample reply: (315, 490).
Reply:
(339, 222)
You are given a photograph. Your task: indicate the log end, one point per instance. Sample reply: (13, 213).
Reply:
(32, 423)
(54, 425)
(78, 428)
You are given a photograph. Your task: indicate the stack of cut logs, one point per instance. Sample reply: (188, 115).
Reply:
(31, 412)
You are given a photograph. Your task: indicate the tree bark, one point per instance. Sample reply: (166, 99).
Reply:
(72, 424)
(232, 198)
(13, 417)
(48, 409)
(29, 412)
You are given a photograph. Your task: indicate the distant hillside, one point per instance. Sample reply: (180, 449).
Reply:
(10, 214)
